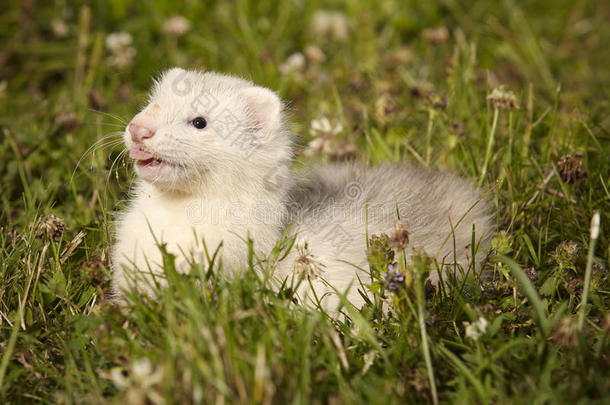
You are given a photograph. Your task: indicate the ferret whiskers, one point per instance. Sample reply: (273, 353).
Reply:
(113, 116)
(101, 143)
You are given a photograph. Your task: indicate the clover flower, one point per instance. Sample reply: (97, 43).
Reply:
(176, 26)
(314, 55)
(324, 140)
(475, 330)
(566, 254)
(503, 99)
(59, 27)
(50, 227)
(118, 41)
(323, 127)
(141, 383)
(122, 53)
(330, 24)
(531, 273)
(436, 35)
(68, 121)
(293, 64)
(571, 169)
(385, 106)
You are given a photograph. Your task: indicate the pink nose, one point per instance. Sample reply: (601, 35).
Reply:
(139, 133)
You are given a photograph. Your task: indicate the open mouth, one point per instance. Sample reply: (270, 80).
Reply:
(148, 164)
(143, 157)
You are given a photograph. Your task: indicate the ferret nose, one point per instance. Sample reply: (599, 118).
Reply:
(139, 133)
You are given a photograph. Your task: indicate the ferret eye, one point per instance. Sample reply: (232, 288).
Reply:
(199, 123)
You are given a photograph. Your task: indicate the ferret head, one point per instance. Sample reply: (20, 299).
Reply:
(202, 128)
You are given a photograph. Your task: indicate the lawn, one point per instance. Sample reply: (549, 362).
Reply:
(512, 94)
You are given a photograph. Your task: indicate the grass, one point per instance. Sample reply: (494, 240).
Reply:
(404, 93)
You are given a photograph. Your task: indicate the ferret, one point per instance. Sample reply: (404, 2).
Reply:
(213, 156)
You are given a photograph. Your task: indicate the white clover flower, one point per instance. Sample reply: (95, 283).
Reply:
(141, 384)
(503, 99)
(475, 330)
(324, 127)
(59, 27)
(316, 143)
(482, 324)
(314, 54)
(117, 377)
(122, 53)
(436, 36)
(141, 369)
(118, 41)
(294, 63)
(176, 26)
(330, 24)
(324, 139)
(123, 59)
(320, 126)
(319, 145)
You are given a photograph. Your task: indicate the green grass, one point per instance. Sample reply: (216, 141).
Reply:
(403, 97)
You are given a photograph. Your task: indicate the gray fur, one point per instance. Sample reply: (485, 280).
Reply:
(209, 188)
(332, 218)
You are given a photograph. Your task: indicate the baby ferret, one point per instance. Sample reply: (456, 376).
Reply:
(213, 158)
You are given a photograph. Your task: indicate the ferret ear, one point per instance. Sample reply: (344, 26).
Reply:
(264, 109)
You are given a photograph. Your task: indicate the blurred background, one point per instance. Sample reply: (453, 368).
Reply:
(70, 73)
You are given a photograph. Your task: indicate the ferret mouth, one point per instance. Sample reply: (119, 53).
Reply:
(149, 165)
(150, 162)
(144, 157)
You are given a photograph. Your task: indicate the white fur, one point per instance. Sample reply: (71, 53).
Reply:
(219, 180)
(220, 189)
